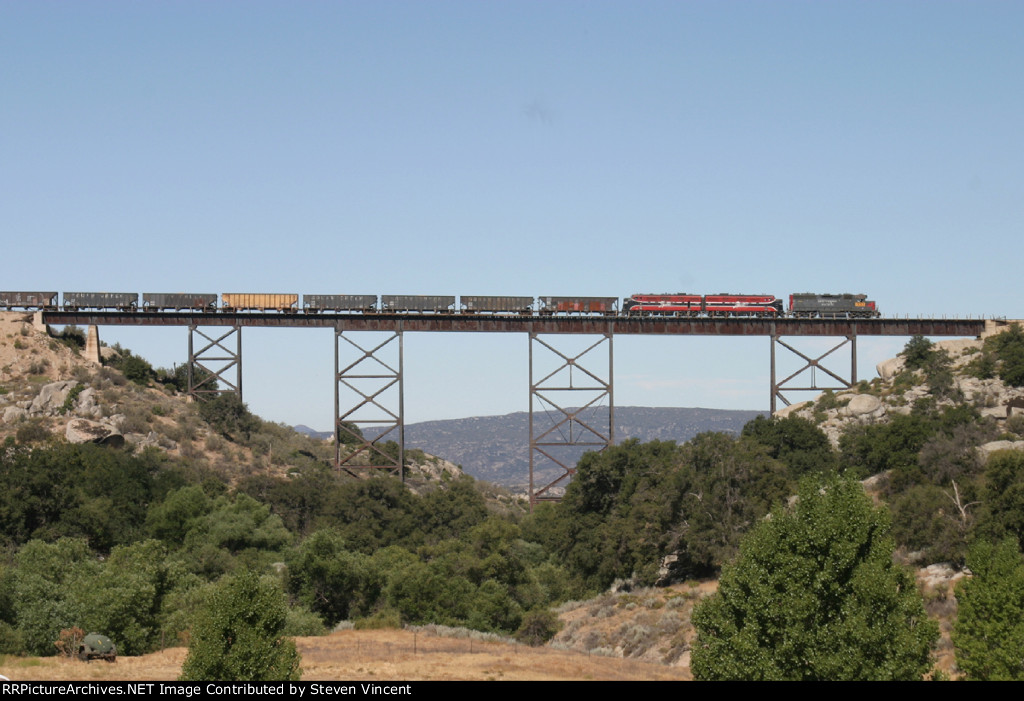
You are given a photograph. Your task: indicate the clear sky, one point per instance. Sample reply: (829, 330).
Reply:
(520, 148)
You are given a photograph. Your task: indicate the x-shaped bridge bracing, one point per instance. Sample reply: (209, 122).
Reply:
(571, 431)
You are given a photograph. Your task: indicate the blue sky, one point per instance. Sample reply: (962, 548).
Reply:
(521, 148)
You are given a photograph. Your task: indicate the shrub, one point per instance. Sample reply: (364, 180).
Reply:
(917, 353)
(815, 594)
(989, 631)
(238, 634)
(32, 431)
(538, 627)
(229, 415)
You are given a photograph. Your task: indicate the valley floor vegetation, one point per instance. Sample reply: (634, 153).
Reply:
(138, 545)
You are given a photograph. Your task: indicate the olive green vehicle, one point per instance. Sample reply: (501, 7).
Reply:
(97, 647)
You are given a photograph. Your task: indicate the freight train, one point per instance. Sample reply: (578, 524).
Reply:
(801, 305)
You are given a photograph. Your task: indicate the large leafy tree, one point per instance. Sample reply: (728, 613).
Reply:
(989, 630)
(237, 636)
(814, 594)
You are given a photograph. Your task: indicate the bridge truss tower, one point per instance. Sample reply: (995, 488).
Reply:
(369, 401)
(571, 408)
(210, 367)
(815, 366)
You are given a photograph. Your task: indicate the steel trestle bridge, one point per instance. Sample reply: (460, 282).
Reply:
(578, 393)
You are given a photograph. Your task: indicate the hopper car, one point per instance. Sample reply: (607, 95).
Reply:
(28, 300)
(249, 302)
(433, 304)
(339, 303)
(577, 305)
(160, 301)
(121, 301)
(496, 305)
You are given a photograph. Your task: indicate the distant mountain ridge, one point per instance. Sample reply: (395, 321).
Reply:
(496, 448)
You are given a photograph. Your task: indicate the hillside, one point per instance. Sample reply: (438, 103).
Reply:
(48, 390)
(496, 448)
(955, 372)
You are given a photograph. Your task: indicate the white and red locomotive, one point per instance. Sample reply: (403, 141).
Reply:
(802, 305)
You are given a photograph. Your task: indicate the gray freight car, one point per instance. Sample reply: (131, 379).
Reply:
(496, 305)
(339, 303)
(577, 305)
(159, 301)
(832, 306)
(439, 304)
(28, 300)
(123, 301)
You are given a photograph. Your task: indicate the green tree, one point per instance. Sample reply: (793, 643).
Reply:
(989, 631)
(45, 588)
(918, 352)
(238, 634)
(815, 595)
(330, 580)
(795, 441)
(1002, 513)
(230, 416)
(1009, 349)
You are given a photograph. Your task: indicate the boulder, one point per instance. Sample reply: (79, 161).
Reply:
(787, 410)
(13, 414)
(956, 346)
(51, 397)
(865, 406)
(888, 369)
(989, 448)
(85, 431)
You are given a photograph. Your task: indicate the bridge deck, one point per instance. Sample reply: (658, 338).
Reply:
(542, 325)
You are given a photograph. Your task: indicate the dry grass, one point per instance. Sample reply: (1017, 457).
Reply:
(376, 654)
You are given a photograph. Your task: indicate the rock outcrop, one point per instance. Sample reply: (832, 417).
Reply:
(85, 431)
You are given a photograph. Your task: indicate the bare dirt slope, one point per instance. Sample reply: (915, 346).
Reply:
(367, 655)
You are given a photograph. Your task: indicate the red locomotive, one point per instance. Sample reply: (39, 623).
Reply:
(703, 305)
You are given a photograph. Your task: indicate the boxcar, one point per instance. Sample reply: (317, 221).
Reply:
(28, 300)
(496, 305)
(101, 300)
(158, 301)
(577, 305)
(832, 306)
(258, 302)
(417, 303)
(339, 303)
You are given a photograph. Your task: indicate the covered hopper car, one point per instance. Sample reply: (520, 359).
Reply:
(248, 302)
